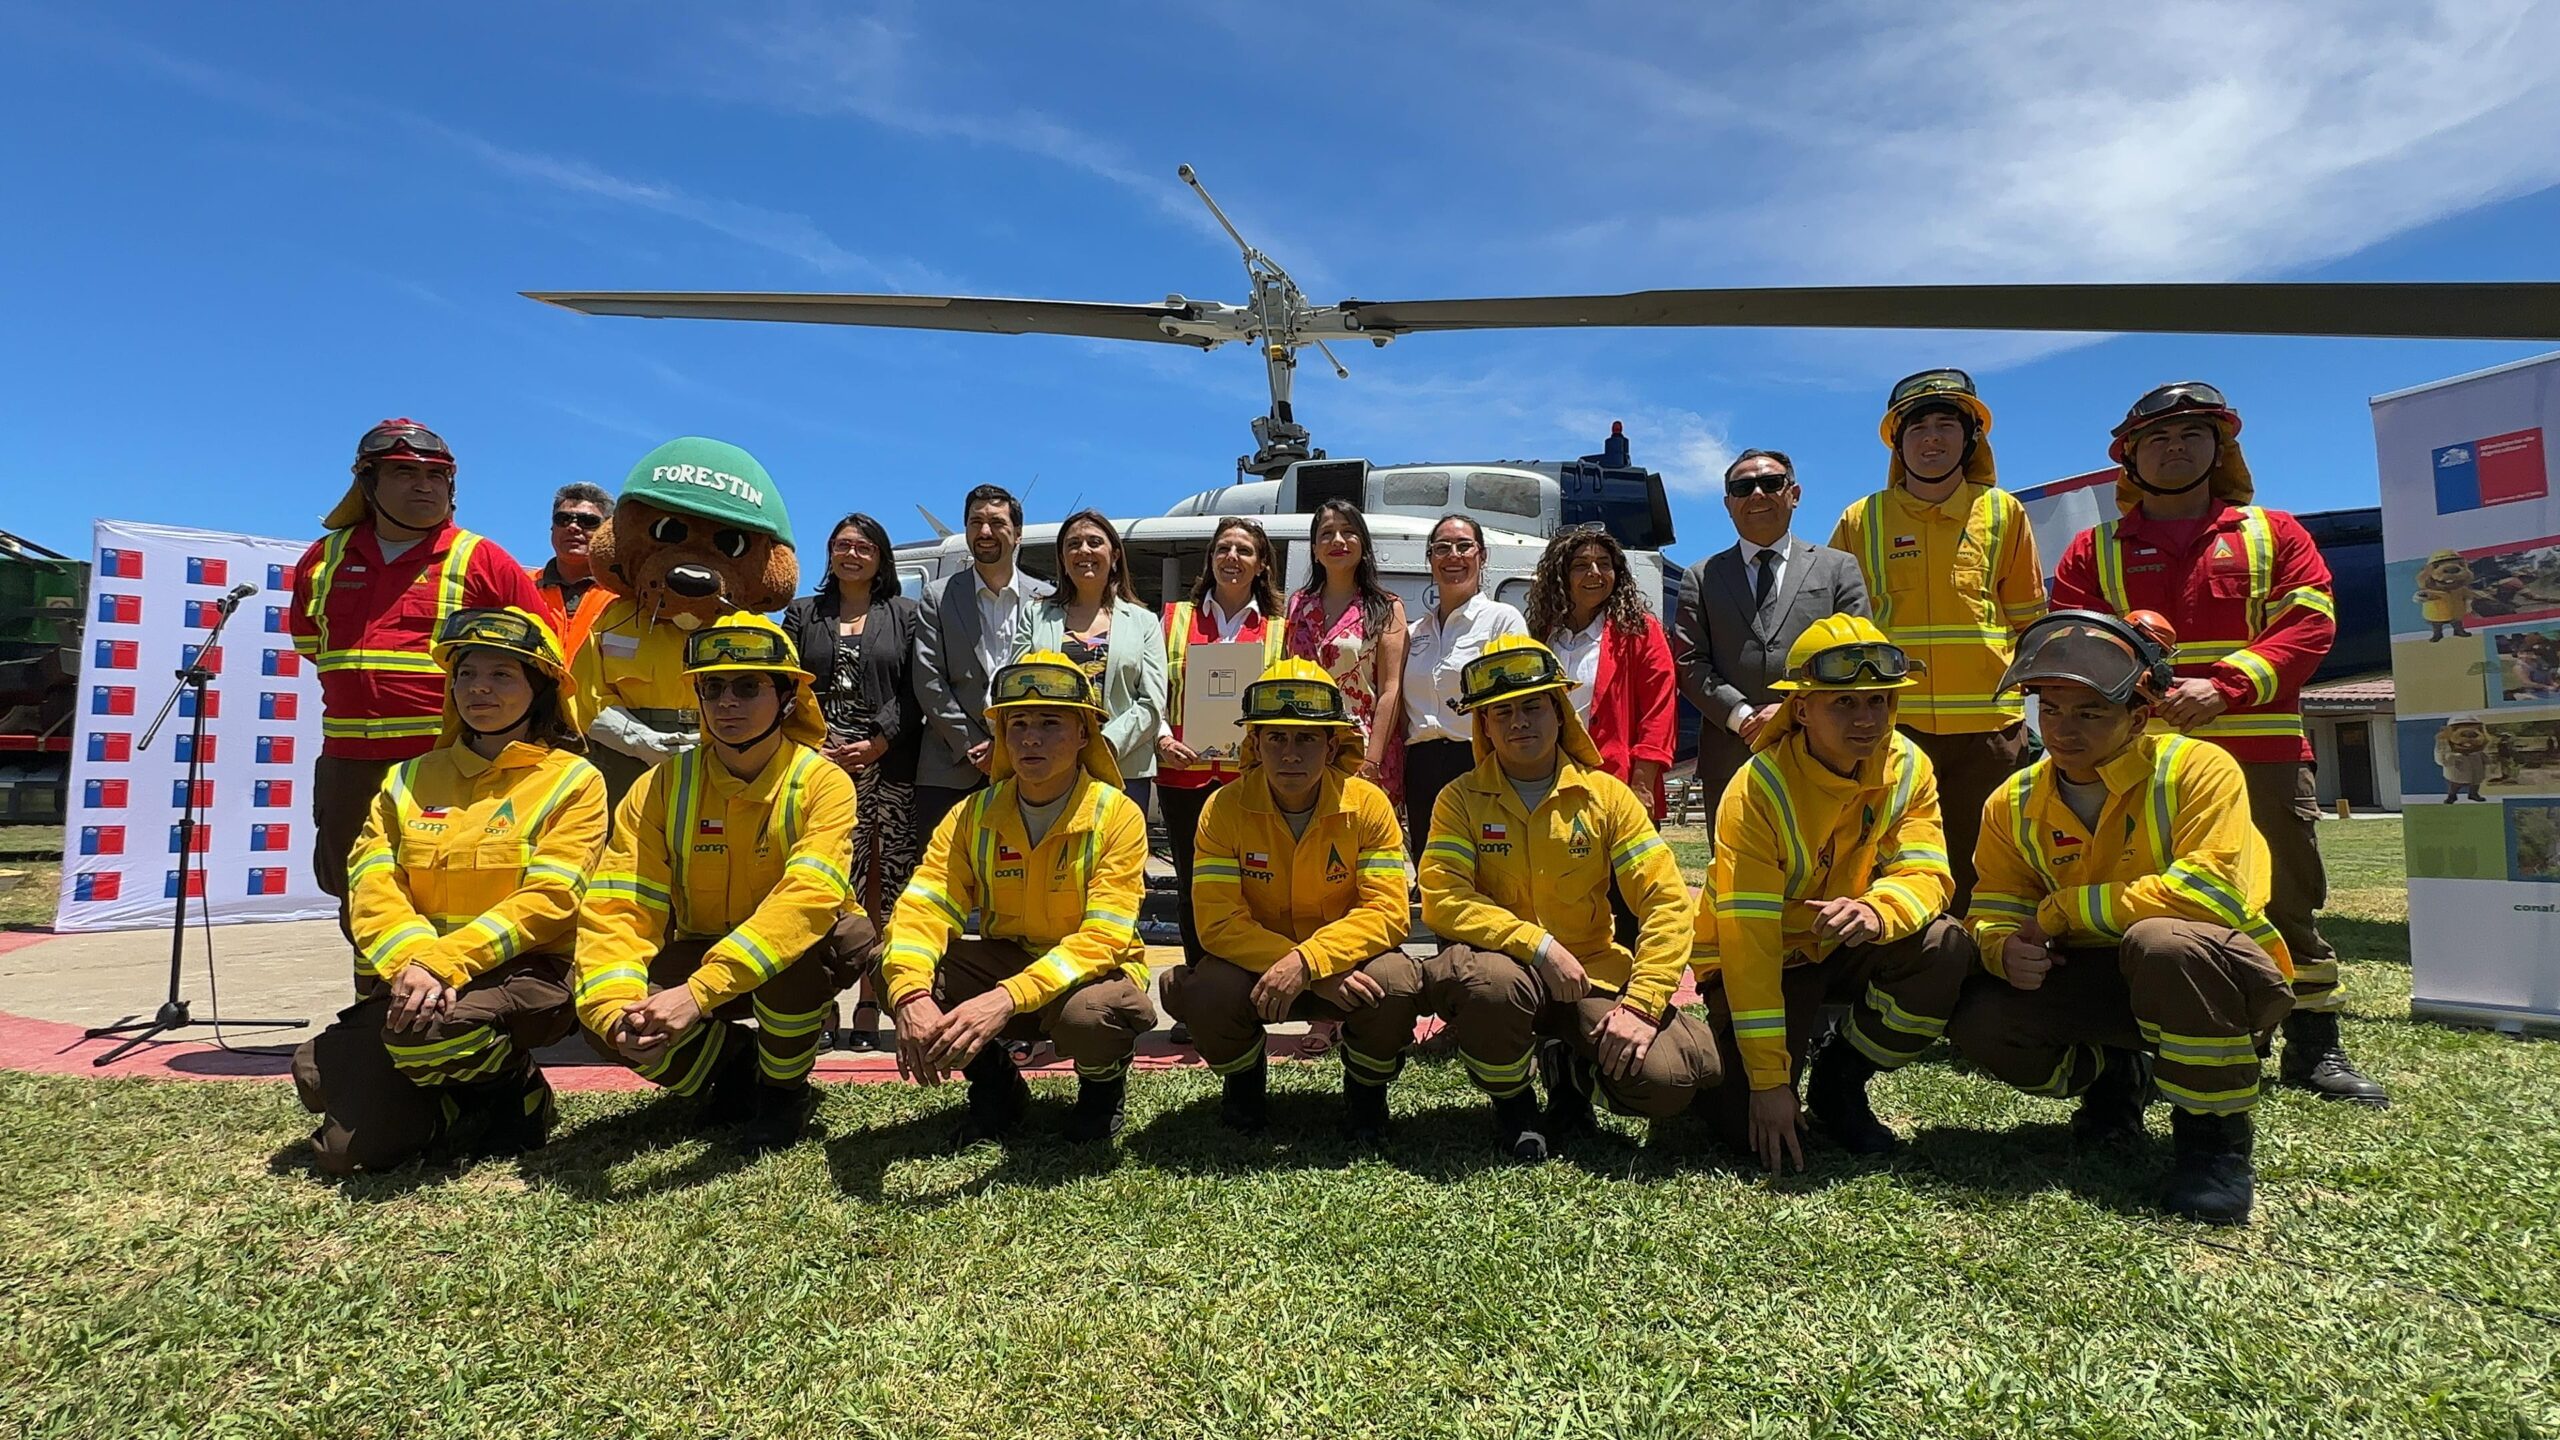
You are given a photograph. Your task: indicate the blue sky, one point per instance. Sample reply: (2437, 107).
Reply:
(240, 234)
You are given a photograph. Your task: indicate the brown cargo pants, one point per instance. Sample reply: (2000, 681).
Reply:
(385, 1095)
(1215, 998)
(1899, 997)
(2195, 995)
(1970, 766)
(788, 1010)
(1498, 1010)
(1096, 1024)
(2284, 803)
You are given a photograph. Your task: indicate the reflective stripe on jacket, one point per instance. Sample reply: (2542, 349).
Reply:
(757, 865)
(2251, 604)
(1792, 833)
(465, 864)
(1953, 583)
(1071, 900)
(1335, 895)
(2174, 840)
(1496, 877)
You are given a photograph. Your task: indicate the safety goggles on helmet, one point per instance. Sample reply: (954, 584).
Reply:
(752, 648)
(502, 628)
(393, 437)
(1488, 678)
(2126, 662)
(1039, 683)
(2177, 399)
(1305, 701)
(1912, 389)
(1842, 664)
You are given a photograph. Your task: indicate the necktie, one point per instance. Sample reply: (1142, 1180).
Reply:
(1768, 576)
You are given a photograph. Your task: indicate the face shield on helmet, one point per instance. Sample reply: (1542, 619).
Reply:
(2124, 659)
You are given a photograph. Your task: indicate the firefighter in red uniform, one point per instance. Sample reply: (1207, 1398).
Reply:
(2249, 596)
(368, 598)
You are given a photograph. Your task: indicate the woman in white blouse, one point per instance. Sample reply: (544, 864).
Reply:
(1438, 643)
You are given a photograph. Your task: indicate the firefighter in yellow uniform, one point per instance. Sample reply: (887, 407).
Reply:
(2121, 915)
(1021, 920)
(463, 894)
(1516, 876)
(722, 896)
(1299, 895)
(1827, 886)
(1952, 577)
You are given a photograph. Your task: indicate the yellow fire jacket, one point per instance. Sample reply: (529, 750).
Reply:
(1955, 584)
(2174, 840)
(1498, 878)
(465, 864)
(1336, 896)
(629, 662)
(697, 852)
(1793, 833)
(1072, 899)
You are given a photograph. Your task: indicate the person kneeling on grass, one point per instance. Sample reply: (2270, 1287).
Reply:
(463, 894)
(1050, 861)
(1516, 875)
(724, 893)
(1829, 873)
(1298, 893)
(2121, 912)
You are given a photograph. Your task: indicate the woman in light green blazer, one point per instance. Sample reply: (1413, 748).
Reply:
(1096, 620)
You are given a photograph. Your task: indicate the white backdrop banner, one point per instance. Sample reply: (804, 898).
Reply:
(152, 590)
(2471, 560)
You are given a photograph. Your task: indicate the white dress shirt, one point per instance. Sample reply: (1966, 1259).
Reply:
(1435, 653)
(1579, 652)
(999, 613)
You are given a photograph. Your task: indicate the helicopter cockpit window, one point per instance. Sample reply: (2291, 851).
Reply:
(1509, 494)
(1421, 489)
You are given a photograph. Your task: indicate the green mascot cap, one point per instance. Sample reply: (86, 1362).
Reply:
(714, 479)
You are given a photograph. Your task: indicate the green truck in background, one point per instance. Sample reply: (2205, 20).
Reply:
(44, 597)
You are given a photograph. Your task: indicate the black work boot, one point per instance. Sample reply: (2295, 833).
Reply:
(779, 1115)
(1836, 1096)
(2316, 1060)
(2213, 1181)
(1364, 1111)
(998, 1097)
(1246, 1105)
(1100, 1109)
(1521, 1131)
(2111, 1108)
(1569, 1079)
(729, 1096)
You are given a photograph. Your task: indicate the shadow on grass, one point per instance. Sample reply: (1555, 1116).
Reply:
(582, 1161)
(1036, 1152)
(2026, 1160)
(2383, 941)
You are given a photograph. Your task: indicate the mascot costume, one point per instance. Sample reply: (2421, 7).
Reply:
(2446, 588)
(699, 531)
(2462, 753)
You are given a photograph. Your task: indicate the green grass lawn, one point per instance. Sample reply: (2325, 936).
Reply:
(171, 1268)
(37, 850)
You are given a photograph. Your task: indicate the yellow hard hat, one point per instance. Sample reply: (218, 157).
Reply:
(2443, 555)
(742, 640)
(1948, 387)
(1048, 678)
(1511, 665)
(1847, 652)
(516, 631)
(1299, 693)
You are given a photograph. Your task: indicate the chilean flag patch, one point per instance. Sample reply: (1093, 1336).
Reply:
(431, 812)
(1007, 852)
(2062, 840)
(711, 825)
(1259, 859)
(1905, 542)
(1496, 830)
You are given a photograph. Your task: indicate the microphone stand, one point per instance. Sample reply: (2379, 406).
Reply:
(174, 1013)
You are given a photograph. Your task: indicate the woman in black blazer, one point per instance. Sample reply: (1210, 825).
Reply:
(856, 635)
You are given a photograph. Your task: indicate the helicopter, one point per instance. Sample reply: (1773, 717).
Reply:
(1521, 503)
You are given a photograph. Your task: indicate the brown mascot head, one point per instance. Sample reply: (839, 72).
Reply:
(699, 531)
(2465, 735)
(2447, 570)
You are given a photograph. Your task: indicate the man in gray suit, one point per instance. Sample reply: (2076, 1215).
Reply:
(1741, 609)
(964, 634)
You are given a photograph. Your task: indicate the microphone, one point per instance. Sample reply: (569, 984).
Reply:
(243, 590)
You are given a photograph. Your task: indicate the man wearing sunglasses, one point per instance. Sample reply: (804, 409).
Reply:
(1516, 874)
(577, 513)
(368, 599)
(1298, 890)
(1826, 888)
(1046, 865)
(2250, 596)
(1742, 608)
(2121, 913)
(722, 896)
(1952, 576)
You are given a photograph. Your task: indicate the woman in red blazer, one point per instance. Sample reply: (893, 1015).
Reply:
(1587, 608)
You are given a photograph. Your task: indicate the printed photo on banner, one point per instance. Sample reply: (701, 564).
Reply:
(2471, 758)
(2456, 842)
(2528, 670)
(2533, 841)
(2442, 595)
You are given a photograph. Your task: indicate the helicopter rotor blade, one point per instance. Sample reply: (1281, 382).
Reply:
(1096, 319)
(2461, 311)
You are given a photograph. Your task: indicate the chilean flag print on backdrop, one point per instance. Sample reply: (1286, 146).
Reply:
(155, 588)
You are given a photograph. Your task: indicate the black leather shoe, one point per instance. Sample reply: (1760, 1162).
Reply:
(2316, 1060)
